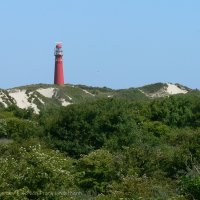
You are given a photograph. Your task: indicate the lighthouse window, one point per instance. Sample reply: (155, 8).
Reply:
(58, 51)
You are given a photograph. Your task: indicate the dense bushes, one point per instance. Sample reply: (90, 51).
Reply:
(81, 129)
(108, 149)
(30, 171)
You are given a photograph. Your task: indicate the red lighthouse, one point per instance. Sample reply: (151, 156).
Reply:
(58, 74)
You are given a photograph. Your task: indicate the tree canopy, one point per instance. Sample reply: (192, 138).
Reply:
(106, 149)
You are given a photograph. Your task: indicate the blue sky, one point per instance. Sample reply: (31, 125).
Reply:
(113, 43)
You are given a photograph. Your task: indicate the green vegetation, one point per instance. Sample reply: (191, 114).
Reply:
(153, 87)
(67, 93)
(111, 148)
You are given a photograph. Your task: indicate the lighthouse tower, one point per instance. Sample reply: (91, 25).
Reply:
(58, 74)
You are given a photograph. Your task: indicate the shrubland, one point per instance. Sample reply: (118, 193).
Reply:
(110, 148)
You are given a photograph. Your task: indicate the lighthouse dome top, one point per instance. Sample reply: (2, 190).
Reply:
(59, 45)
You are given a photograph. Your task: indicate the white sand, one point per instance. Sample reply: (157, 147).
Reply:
(2, 101)
(2, 97)
(34, 106)
(64, 103)
(5, 105)
(69, 97)
(173, 89)
(47, 92)
(88, 93)
(41, 101)
(21, 99)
